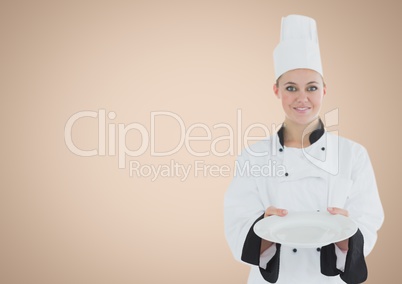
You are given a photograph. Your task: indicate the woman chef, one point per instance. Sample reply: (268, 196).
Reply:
(322, 172)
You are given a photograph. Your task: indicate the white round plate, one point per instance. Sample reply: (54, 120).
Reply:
(305, 229)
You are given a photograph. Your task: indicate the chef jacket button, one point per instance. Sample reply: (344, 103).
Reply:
(323, 148)
(280, 150)
(318, 249)
(294, 250)
(286, 174)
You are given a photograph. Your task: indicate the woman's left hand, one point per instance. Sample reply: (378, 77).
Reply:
(343, 245)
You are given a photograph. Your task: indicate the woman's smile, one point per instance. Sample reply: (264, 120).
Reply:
(302, 110)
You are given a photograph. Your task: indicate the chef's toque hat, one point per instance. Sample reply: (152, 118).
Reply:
(298, 47)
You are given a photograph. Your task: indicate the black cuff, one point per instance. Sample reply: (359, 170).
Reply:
(328, 261)
(355, 265)
(271, 272)
(251, 254)
(252, 246)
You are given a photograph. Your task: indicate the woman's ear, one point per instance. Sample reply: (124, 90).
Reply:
(325, 90)
(276, 91)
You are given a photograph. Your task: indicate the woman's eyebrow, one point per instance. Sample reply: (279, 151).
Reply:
(293, 83)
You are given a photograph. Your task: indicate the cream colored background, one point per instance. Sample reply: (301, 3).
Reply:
(71, 219)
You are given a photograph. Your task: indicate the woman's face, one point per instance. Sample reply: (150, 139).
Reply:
(301, 92)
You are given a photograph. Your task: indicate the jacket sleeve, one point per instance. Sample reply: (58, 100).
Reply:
(364, 207)
(364, 204)
(243, 208)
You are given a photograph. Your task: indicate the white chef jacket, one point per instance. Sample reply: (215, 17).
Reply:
(270, 174)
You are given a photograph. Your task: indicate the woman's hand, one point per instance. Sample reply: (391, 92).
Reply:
(269, 212)
(275, 211)
(343, 245)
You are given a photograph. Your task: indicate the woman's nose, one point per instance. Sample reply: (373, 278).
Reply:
(302, 96)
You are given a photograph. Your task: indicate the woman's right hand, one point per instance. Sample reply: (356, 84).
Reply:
(269, 212)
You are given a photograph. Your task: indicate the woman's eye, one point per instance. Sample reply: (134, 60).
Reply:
(290, 89)
(312, 88)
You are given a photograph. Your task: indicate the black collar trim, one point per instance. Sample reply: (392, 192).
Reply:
(314, 136)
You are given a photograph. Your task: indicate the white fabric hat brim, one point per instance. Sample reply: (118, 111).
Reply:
(297, 54)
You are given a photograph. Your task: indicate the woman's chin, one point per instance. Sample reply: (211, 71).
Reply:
(302, 119)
